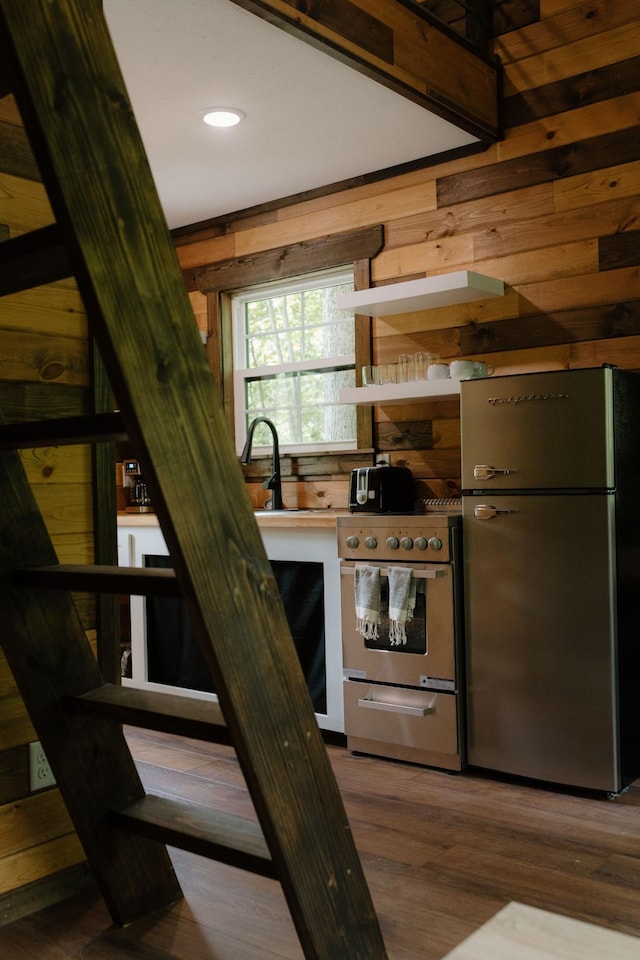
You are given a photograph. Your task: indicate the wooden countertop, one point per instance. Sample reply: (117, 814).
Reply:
(125, 519)
(519, 932)
(290, 519)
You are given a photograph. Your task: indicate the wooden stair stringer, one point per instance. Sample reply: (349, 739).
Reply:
(50, 658)
(74, 103)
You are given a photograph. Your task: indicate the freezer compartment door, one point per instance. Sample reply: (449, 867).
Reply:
(538, 431)
(541, 638)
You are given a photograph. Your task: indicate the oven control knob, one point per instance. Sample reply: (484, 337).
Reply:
(370, 542)
(420, 543)
(406, 543)
(393, 543)
(435, 543)
(352, 542)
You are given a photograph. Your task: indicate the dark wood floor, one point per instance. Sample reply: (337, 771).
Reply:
(442, 854)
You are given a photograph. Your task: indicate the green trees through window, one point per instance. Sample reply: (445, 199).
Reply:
(294, 352)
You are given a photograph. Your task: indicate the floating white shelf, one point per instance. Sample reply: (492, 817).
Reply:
(443, 290)
(401, 392)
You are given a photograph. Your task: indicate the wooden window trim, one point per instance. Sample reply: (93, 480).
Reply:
(218, 280)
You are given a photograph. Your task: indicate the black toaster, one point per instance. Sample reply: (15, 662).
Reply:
(382, 489)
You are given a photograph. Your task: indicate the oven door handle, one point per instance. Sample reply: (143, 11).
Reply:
(418, 574)
(395, 707)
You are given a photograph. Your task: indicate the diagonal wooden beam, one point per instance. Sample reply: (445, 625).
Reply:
(72, 96)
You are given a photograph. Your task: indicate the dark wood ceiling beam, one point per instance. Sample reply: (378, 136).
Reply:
(292, 260)
(402, 48)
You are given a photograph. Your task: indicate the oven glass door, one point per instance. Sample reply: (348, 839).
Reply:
(428, 654)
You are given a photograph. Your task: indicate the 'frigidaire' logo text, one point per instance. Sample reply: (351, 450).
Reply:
(525, 397)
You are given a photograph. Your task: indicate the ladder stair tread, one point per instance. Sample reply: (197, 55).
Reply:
(33, 259)
(62, 431)
(100, 578)
(190, 717)
(212, 833)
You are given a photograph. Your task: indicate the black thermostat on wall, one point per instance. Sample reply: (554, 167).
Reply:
(131, 468)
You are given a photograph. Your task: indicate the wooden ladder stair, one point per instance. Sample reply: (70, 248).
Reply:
(57, 59)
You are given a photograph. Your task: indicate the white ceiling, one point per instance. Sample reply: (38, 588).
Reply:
(310, 120)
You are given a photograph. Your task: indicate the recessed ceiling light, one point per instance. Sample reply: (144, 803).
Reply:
(223, 116)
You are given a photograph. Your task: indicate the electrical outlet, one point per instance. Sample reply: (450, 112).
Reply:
(40, 775)
(383, 458)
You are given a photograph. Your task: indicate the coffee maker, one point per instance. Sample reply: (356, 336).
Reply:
(138, 499)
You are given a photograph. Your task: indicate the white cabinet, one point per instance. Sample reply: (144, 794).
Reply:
(318, 545)
(297, 543)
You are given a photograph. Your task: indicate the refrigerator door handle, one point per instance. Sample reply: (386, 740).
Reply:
(482, 511)
(482, 471)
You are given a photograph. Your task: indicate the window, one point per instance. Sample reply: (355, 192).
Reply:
(294, 350)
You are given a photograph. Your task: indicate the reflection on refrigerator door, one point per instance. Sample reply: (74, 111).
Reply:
(540, 630)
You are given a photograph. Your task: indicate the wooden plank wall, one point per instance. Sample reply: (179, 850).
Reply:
(43, 373)
(552, 209)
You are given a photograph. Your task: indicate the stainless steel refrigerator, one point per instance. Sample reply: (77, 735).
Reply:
(551, 494)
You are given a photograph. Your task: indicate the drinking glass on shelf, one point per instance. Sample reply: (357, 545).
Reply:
(421, 365)
(389, 372)
(422, 362)
(406, 370)
(371, 376)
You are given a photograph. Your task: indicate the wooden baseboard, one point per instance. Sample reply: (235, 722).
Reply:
(333, 738)
(43, 893)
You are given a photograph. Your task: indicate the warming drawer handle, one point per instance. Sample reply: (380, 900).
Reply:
(418, 574)
(396, 707)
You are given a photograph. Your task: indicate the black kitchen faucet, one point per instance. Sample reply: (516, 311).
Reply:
(274, 482)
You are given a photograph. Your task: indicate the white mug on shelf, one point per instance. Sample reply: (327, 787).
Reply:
(470, 369)
(438, 371)
(482, 369)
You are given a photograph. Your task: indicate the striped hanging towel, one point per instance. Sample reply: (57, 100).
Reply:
(402, 603)
(367, 596)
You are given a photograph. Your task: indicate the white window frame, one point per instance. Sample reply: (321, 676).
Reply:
(242, 373)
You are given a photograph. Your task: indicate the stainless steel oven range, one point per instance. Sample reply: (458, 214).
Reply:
(404, 699)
